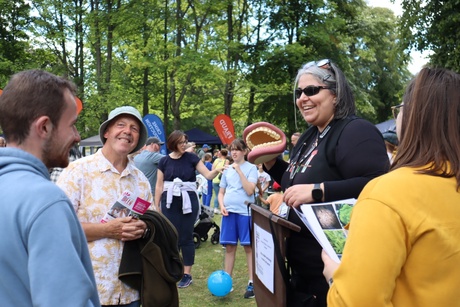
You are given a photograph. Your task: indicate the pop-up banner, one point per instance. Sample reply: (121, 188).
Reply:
(79, 104)
(224, 128)
(155, 129)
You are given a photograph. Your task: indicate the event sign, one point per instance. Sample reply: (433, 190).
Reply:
(155, 129)
(224, 128)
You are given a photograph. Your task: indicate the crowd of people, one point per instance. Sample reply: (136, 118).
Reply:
(402, 245)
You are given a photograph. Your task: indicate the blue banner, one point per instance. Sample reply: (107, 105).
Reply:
(155, 128)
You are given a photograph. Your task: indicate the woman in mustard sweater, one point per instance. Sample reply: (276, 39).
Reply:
(403, 247)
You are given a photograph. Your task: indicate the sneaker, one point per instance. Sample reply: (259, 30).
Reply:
(249, 291)
(185, 281)
(216, 211)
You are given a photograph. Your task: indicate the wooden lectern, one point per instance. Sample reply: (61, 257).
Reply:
(282, 228)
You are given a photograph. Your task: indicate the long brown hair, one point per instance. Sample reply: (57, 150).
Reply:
(430, 129)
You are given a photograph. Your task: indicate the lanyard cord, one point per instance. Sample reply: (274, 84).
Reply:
(295, 164)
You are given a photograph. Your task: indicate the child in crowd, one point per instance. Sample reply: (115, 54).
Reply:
(236, 187)
(206, 198)
(263, 182)
(275, 200)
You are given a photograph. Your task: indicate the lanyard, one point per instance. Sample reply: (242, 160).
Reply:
(295, 165)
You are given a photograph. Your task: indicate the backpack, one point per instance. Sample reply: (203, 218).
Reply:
(153, 265)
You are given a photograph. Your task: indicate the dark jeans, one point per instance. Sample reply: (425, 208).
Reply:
(184, 223)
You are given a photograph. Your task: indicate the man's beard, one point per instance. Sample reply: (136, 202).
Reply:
(52, 153)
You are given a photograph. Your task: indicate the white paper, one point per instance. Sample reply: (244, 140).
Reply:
(264, 253)
(326, 219)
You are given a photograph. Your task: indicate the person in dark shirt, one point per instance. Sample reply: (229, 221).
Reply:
(332, 160)
(176, 196)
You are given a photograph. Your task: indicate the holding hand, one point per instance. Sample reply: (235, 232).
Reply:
(221, 169)
(265, 140)
(236, 167)
(298, 194)
(330, 266)
(126, 228)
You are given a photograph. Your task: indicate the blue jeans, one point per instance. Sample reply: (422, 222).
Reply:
(207, 197)
(216, 189)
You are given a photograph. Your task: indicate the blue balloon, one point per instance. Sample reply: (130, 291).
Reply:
(220, 283)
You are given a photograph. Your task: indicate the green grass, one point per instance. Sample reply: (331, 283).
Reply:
(210, 258)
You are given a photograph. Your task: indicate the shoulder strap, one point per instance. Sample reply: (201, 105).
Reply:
(334, 137)
(303, 138)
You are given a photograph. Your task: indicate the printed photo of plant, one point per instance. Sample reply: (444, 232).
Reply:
(337, 239)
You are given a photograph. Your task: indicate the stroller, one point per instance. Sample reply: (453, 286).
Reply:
(202, 226)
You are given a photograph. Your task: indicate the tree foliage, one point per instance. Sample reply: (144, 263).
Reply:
(14, 19)
(190, 60)
(432, 25)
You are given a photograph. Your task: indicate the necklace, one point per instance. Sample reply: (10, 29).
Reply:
(296, 163)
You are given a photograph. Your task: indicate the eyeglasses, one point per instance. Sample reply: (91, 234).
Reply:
(324, 64)
(309, 91)
(183, 142)
(396, 110)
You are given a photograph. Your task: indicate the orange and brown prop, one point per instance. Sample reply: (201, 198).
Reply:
(265, 140)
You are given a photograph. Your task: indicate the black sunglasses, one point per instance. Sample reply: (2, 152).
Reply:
(309, 91)
(324, 63)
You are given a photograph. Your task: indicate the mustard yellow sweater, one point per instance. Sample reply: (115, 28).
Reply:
(403, 247)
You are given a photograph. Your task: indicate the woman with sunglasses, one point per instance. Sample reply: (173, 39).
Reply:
(333, 160)
(403, 247)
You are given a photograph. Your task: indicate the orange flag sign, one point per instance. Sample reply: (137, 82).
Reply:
(224, 128)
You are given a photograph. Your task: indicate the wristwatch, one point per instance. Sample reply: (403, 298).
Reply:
(317, 193)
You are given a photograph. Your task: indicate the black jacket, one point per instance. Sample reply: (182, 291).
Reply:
(153, 265)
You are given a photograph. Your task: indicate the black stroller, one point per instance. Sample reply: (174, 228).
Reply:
(202, 226)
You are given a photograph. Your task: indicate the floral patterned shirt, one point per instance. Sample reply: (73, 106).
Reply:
(93, 185)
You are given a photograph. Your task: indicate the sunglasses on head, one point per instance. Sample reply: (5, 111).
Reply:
(310, 90)
(324, 63)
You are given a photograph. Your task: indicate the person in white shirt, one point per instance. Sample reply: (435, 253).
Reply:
(263, 182)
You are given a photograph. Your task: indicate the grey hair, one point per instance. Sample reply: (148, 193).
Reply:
(334, 78)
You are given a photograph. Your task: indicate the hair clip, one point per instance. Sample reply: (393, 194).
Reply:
(327, 77)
